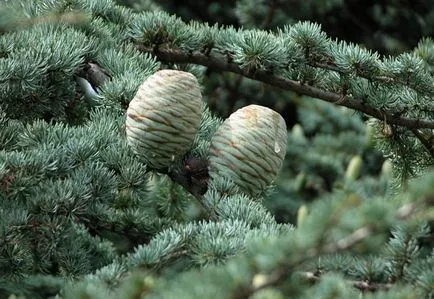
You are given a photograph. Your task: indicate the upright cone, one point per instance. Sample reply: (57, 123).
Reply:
(249, 148)
(164, 117)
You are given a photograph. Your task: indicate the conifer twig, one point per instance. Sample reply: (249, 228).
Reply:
(358, 284)
(133, 233)
(427, 142)
(220, 63)
(351, 240)
(333, 67)
(285, 271)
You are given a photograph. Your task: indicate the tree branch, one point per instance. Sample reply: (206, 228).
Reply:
(333, 67)
(221, 64)
(358, 284)
(133, 233)
(349, 241)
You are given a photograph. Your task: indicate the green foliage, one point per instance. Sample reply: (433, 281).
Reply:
(82, 217)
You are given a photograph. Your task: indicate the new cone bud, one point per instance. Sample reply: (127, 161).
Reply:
(249, 148)
(354, 168)
(164, 117)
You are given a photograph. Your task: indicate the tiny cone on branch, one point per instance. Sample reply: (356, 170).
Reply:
(354, 168)
(249, 148)
(164, 117)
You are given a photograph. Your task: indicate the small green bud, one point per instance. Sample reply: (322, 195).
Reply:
(298, 132)
(370, 135)
(300, 182)
(259, 280)
(302, 214)
(354, 168)
(387, 168)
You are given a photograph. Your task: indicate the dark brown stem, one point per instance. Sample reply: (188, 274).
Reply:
(193, 176)
(220, 63)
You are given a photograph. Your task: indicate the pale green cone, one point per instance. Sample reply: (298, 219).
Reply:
(249, 148)
(354, 168)
(164, 117)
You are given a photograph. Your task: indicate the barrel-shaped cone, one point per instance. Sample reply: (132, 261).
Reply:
(164, 117)
(249, 148)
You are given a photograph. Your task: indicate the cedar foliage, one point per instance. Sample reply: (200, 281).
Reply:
(350, 214)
